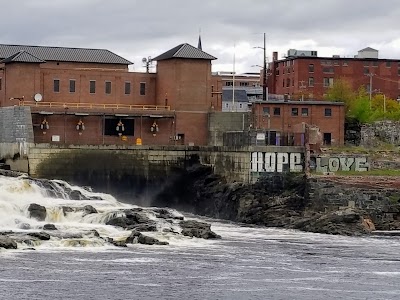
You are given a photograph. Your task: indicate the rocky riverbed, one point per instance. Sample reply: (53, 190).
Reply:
(321, 205)
(36, 213)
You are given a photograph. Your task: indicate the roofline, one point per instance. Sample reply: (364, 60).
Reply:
(337, 58)
(74, 48)
(297, 102)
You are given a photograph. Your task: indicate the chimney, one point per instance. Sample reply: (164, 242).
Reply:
(274, 56)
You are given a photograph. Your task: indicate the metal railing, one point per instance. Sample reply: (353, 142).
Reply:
(66, 105)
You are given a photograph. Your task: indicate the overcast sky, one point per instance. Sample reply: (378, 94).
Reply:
(137, 28)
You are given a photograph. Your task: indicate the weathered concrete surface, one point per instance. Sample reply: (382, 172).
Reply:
(382, 131)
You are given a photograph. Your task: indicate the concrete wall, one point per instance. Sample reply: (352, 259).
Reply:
(383, 131)
(16, 125)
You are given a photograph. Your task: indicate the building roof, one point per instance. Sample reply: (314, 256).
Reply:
(368, 49)
(240, 95)
(22, 56)
(46, 53)
(185, 51)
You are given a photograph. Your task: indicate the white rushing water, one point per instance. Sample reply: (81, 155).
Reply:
(74, 226)
(249, 262)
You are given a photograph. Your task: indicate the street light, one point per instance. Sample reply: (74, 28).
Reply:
(264, 72)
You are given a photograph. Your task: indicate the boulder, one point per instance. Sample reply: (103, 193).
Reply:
(37, 211)
(137, 237)
(343, 222)
(7, 243)
(116, 243)
(40, 235)
(88, 209)
(198, 229)
(49, 227)
(164, 213)
(131, 220)
(24, 226)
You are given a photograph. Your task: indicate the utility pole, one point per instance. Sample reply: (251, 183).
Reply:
(370, 89)
(264, 73)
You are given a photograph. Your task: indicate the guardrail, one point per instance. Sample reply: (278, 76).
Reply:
(94, 105)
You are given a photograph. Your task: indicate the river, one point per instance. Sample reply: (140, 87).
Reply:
(249, 262)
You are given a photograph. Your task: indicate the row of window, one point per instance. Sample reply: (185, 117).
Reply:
(92, 87)
(327, 69)
(295, 111)
(241, 83)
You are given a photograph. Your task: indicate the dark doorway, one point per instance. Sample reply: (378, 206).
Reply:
(327, 138)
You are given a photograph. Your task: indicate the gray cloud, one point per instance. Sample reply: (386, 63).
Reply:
(138, 28)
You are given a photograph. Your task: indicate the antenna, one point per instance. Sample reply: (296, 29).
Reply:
(147, 62)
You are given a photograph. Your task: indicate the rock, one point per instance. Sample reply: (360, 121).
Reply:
(40, 235)
(131, 220)
(88, 209)
(118, 221)
(144, 227)
(49, 227)
(343, 222)
(137, 237)
(37, 211)
(198, 229)
(7, 243)
(164, 213)
(67, 209)
(24, 226)
(116, 243)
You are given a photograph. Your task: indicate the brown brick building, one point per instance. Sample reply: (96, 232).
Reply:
(304, 74)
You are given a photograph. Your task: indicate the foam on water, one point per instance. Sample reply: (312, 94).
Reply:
(75, 227)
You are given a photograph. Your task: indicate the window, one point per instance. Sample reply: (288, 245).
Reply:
(127, 88)
(374, 63)
(327, 70)
(388, 64)
(328, 82)
(304, 112)
(328, 112)
(226, 105)
(335, 62)
(311, 68)
(142, 88)
(229, 83)
(287, 82)
(1, 83)
(283, 82)
(345, 64)
(111, 123)
(266, 111)
(240, 105)
(277, 111)
(72, 85)
(311, 81)
(92, 86)
(366, 63)
(56, 85)
(108, 87)
(244, 84)
(295, 111)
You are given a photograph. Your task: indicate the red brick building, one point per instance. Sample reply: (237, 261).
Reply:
(302, 74)
(88, 96)
(286, 122)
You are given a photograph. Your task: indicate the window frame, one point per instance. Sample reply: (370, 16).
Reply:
(277, 111)
(304, 112)
(295, 112)
(328, 112)
(142, 88)
(107, 87)
(72, 90)
(129, 89)
(92, 86)
(56, 87)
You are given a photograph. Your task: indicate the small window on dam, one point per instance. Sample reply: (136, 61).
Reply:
(119, 126)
